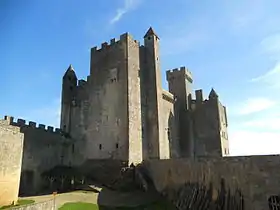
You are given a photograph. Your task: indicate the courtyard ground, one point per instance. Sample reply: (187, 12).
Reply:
(103, 199)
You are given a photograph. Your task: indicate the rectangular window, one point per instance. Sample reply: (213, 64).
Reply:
(100, 146)
(117, 145)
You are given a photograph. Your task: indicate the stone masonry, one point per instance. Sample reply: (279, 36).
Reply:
(11, 148)
(121, 111)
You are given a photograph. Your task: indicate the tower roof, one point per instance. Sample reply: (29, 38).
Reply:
(213, 94)
(70, 72)
(150, 32)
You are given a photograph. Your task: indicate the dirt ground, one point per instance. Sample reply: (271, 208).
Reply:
(105, 197)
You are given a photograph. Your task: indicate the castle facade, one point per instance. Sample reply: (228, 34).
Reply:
(122, 112)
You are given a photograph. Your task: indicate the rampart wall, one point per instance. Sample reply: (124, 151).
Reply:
(44, 147)
(256, 178)
(11, 146)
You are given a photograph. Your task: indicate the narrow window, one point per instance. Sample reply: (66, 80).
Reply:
(117, 145)
(73, 148)
(100, 146)
(61, 159)
(225, 151)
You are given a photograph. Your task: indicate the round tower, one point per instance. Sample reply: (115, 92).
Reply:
(153, 95)
(69, 85)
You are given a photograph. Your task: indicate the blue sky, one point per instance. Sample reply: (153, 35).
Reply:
(233, 46)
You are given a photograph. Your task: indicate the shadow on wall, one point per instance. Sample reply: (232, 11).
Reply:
(196, 196)
(63, 178)
(59, 178)
(172, 136)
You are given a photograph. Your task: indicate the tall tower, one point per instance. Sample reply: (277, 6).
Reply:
(69, 86)
(152, 94)
(180, 85)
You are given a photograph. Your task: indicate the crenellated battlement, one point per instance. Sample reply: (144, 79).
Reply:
(113, 42)
(82, 83)
(179, 72)
(23, 123)
(106, 46)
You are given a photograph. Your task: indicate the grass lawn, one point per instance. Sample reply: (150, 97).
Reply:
(78, 206)
(90, 206)
(20, 203)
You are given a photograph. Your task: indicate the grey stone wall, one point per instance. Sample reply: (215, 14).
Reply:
(47, 205)
(180, 85)
(11, 146)
(206, 128)
(43, 149)
(257, 177)
(152, 88)
(223, 130)
(134, 102)
(168, 144)
(107, 127)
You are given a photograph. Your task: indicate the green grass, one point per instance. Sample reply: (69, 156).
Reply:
(90, 206)
(79, 206)
(19, 203)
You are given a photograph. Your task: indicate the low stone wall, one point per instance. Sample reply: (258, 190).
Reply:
(252, 181)
(47, 205)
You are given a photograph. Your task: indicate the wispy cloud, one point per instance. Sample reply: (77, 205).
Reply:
(254, 105)
(246, 142)
(270, 78)
(270, 47)
(128, 6)
(266, 123)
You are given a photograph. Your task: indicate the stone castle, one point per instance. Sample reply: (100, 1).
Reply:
(122, 112)
(121, 115)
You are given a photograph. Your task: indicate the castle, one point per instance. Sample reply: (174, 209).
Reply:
(120, 112)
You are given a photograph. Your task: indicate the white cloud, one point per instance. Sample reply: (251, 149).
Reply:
(253, 105)
(264, 123)
(271, 78)
(128, 6)
(244, 142)
(271, 46)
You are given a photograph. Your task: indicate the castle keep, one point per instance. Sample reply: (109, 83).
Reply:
(119, 113)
